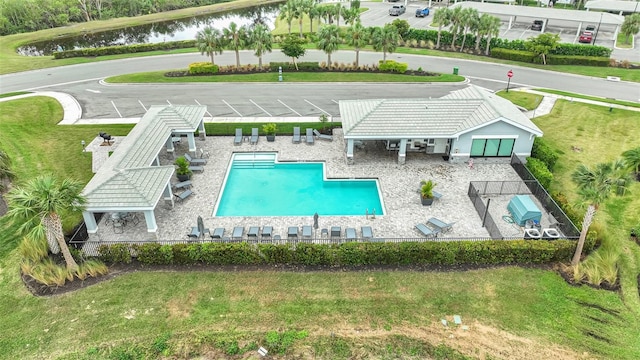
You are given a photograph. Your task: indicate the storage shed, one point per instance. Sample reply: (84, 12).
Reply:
(522, 208)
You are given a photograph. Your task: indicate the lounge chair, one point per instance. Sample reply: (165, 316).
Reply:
(436, 195)
(322, 136)
(309, 136)
(324, 233)
(196, 168)
(296, 135)
(195, 233)
(193, 161)
(238, 139)
(440, 225)
(183, 185)
(267, 231)
(367, 232)
(253, 231)
(292, 232)
(254, 136)
(306, 231)
(218, 233)
(238, 231)
(183, 195)
(336, 231)
(350, 233)
(427, 231)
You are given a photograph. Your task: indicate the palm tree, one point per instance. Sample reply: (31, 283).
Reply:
(456, 24)
(351, 15)
(338, 9)
(490, 26)
(314, 13)
(37, 207)
(237, 37)
(210, 41)
(542, 45)
(287, 12)
(443, 18)
(358, 37)
(632, 160)
(329, 40)
(385, 39)
(261, 41)
(299, 9)
(594, 187)
(6, 174)
(470, 20)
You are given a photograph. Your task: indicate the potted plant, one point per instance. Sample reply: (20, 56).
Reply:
(426, 192)
(270, 131)
(182, 171)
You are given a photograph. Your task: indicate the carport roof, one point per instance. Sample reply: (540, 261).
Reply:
(452, 115)
(544, 13)
(127, 180)
(613, 5)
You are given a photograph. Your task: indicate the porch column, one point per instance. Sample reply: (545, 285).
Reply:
(402, 152)
(170, 147)
(90, 221)
(192, 142)
(168, 194)
(150, 218)
(203, 133)
(350, 152)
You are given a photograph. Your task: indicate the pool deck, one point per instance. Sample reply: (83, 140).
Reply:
(399, 185)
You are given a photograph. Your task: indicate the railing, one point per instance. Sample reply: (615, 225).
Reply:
(485, 216)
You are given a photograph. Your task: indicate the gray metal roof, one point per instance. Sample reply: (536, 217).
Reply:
(450, 116)
(127, 180)
(613, 5)
(544, 13)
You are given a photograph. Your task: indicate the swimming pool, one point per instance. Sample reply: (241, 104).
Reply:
(258, 185)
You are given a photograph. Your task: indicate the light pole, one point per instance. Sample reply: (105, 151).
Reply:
(597, 29)
(84, 147)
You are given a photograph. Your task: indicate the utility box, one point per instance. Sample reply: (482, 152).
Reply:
(522, 208)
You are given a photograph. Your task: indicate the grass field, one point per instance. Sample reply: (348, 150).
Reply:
(323, 314)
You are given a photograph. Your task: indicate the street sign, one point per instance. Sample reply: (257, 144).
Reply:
(509, 74)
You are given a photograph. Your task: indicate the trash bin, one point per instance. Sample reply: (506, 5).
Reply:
(455, 71)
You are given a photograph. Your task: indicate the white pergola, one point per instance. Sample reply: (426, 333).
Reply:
(132, 180)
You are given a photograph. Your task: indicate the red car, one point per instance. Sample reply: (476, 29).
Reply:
(586, 37)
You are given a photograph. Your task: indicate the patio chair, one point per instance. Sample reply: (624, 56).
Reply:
(254, 136)
(183, 195)
(118, 226)
(427, 231)
(436, 195)
(238, 231)
(309, 136)
(267, 231)
(195, 168)
(296, 135)
(218, 233)
(183, 185)
(324, 233)
(195, 233)
(292, 232)
(322, 136)
(306, 231)
(238, 139)
(350, 234)
(440, 225)
(367, 232)
(336, 231)
(131, 217)
(253, 231)
(193, 161)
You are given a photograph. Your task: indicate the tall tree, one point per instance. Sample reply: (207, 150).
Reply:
(261, 41)
(37, 208)
(288, 12)
(490, 26)
(299, 10)
(237, 38)
(210, 41)
(470, 20)
(386, 39)
(328, 40)
(293, 47)
(594, 187)
(442, 17)
(542, 45)
(456, 24)
(314, 13)
(630, 26)
(358, 37)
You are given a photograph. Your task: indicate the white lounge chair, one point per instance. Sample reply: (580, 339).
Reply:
(238, 231)
(183, 195)
(350, 234)
(309, 136)
(193, 161)
(427, 231)
(253, 231)
(367, 232)
(217, 233)
(440, 225)
(306, 231)
(292, 232)
(238, 139)
(254, 136)
(322, 136)
(296, 135)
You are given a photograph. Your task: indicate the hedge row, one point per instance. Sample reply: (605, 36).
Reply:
(392, 66)
(527, 56)
(288, 66)
(349, 254)
(202, 68)
(125, 49)
(543, 152)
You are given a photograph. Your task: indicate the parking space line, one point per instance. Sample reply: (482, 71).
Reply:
(288, 107)
(141, 104)
(115, 107)
(335, 101)
(207, 111)
(169, 103)
(312, 104)
(236, 111)
(260, 107)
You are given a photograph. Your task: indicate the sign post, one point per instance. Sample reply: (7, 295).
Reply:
(509, 76)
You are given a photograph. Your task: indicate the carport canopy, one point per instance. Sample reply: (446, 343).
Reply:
(613, 5)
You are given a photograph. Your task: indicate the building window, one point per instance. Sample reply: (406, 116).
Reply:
(492, 147)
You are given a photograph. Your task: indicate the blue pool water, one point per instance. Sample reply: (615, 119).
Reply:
(258, 185)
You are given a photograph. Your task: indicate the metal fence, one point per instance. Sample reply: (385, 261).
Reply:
(482, 209)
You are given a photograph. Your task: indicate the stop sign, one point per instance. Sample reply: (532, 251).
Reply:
(509, 74)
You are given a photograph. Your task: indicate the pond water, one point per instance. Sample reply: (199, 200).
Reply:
(174, 30)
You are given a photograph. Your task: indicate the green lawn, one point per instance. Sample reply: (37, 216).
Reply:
(587, 97)
(526, 100)
(622, 41)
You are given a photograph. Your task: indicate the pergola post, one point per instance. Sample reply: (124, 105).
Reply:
(350, 143)
(402, 152)
(170, 147)
(90, 221)
(150, 218)
(192, 142)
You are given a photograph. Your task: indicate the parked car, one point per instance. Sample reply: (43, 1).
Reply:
(537, 25)
(586, 37)
(397, 10)
(422, 12)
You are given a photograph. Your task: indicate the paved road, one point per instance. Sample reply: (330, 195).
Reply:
(279, 99)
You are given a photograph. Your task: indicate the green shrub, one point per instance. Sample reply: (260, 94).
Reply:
(148, 254)
(544, 153)
(124, 49)
(115, 254)
(540, 171)
(392, 66)
(514, 55)
(202, 68)
(289, 66)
